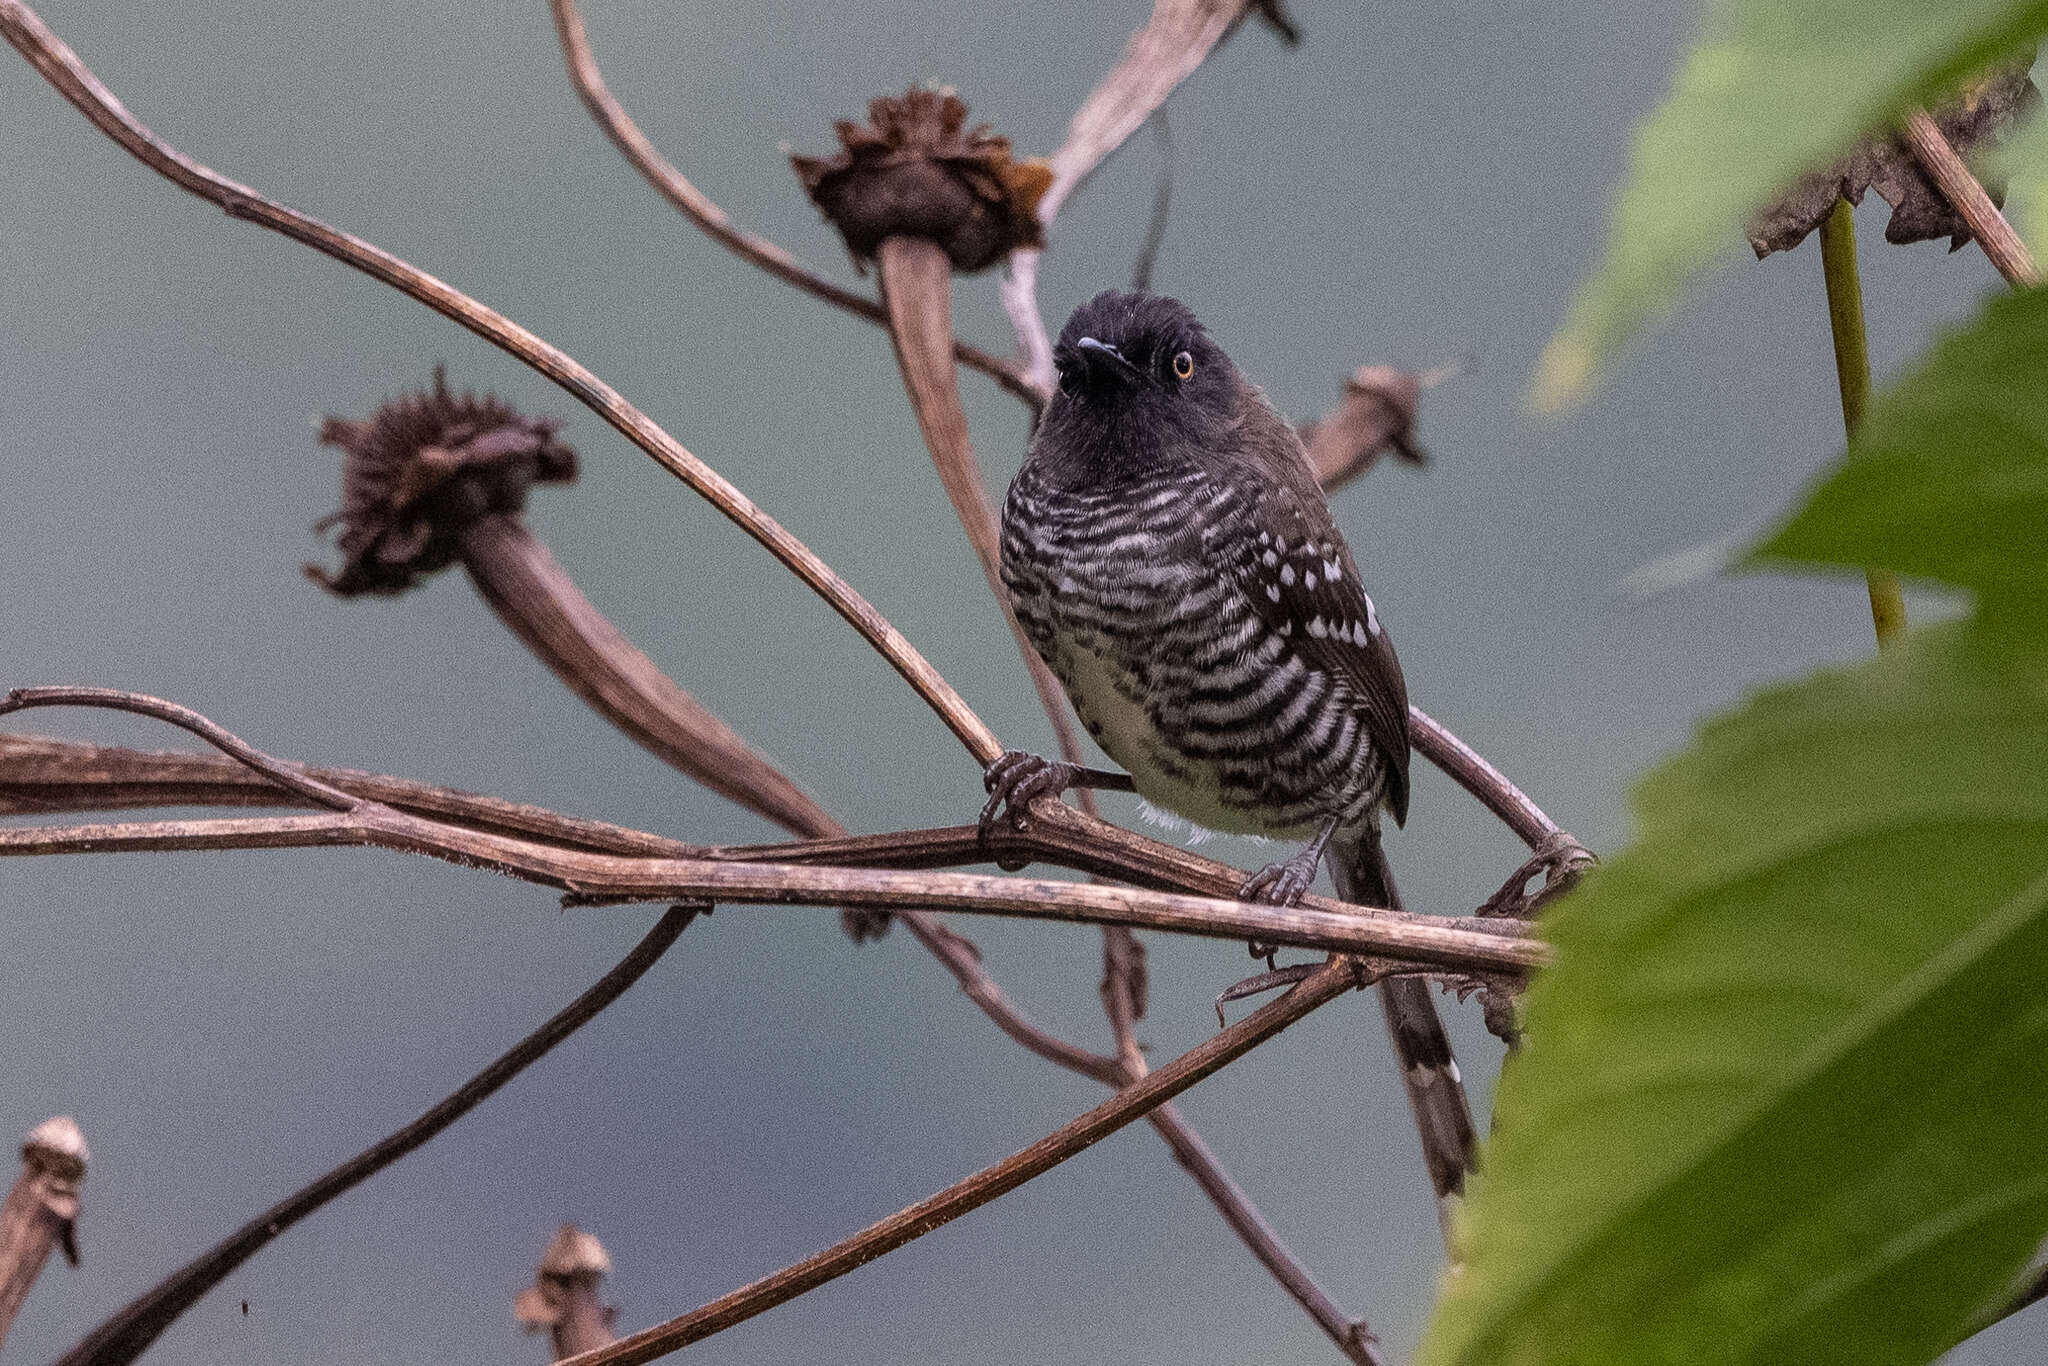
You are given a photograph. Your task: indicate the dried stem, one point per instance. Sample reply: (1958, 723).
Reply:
(62, 68)
(1419, 942)
(917, 287)
(1470, 771)
(531, 593)
(1174, 42)
(1852, 374)
(129, 1332)
(42, 775)
(988, 1184)
(1952, 175)
(40, 1210)
(694, 205)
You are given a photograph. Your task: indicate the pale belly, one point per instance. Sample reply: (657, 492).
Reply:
(1185, 787)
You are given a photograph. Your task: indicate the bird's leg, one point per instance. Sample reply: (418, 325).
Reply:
(1017, 779)
(1286, 883)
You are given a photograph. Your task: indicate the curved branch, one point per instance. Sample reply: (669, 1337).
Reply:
(985, 1185)
(1471, 771)
(62, 68)
(130, 1331)
(694, 205)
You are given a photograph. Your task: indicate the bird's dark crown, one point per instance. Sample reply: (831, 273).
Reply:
(1118, 346)
(1136, 371)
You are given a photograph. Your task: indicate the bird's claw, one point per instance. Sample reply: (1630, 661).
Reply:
(1561, 860)
(1265, 981)
(1017, 779)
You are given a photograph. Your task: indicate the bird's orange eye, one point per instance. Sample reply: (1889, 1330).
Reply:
(1184, 366)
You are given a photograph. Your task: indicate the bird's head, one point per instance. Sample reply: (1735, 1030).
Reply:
(1142, 359)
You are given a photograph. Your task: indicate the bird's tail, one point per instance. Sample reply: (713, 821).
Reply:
(1443, 1117)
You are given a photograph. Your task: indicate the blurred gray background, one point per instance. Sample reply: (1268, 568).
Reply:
(1415, 184)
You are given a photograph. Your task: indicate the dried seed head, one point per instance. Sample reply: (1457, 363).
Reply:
(1375, 415)
(421, 471)
(1981, 116)
(911, 171)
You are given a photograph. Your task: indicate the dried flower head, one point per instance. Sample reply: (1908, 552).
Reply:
(422, 470)
(1980, 116)
(910, 171)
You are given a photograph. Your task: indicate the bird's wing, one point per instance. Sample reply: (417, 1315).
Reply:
(1301, 578)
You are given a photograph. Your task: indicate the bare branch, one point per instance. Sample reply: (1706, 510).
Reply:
(988, 1184)
(40, 1210)
(1431, 942)
(1966, 193)
(1174, 42)
(694, 205)
(129, 1332)
(62, 68)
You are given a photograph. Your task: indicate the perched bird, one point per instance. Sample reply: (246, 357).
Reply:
(1169, 552)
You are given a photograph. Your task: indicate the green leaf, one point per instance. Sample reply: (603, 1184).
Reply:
(1786, 1092)
(1773, 88)
(1948, 476)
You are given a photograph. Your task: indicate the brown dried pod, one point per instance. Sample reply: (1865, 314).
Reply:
(1983, 114)
(40, 1211)
(563, 1297)
(911, 171)
(422, 471)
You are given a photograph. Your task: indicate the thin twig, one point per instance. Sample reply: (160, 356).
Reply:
(1162, 206)
(694, 205)
(1351, 1335)
(1966, 194)
(236, 748)
(988, 1184)
(39, 775)
(129, 1332)
(1469, 769)
(62, 68)
(1852, 374)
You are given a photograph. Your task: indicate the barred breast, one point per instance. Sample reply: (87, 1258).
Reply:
(1138, 595)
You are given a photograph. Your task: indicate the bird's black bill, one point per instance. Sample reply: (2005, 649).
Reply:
(1104, 361)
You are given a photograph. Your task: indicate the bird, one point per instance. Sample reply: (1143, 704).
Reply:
(1168, 551)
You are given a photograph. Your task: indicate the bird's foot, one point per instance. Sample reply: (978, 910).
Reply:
(1561, 860)
(1018, 779)
(1280, 884)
